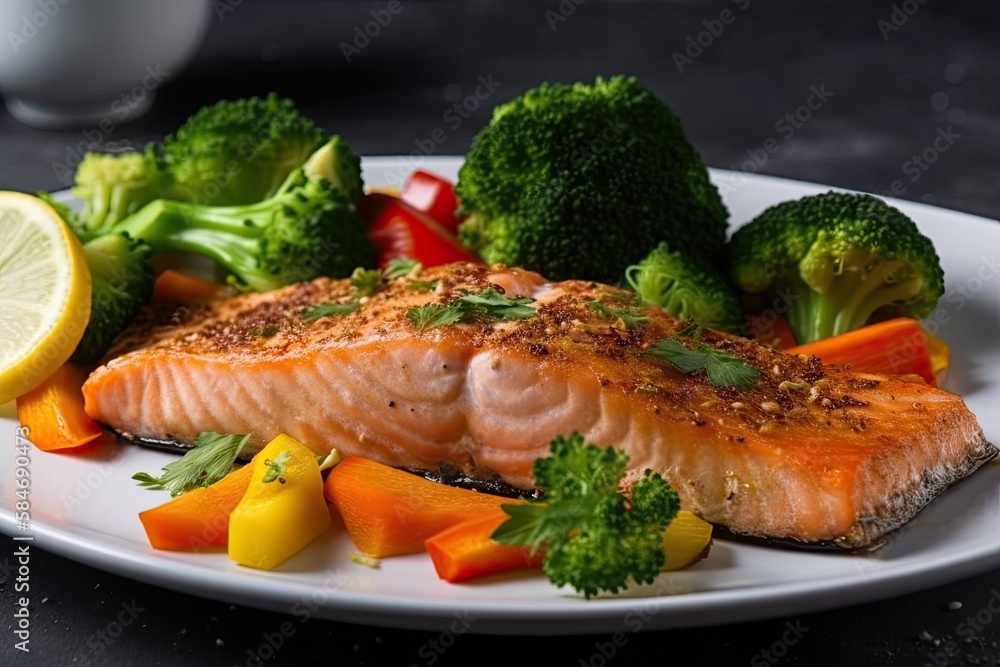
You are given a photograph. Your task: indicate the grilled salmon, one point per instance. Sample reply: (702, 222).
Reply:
(807, 453)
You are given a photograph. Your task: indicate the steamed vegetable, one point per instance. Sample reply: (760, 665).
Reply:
(240, 151)
(466, 550)
(895, 347)
(198, 518)
(399, 231)
(594, 537)
(391, 512)
(582, 181)
(283, 508)
(835, 259)
(687, 287)
(53, 412)
(304, 231)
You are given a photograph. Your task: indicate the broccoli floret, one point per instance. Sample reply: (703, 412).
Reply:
(595, 539)
(112, 186)
(337, 163)
(121, 278)
(687, 288)
(581, 181)
(121, 285)
(304, 231)
(835, 259)
(240, 151)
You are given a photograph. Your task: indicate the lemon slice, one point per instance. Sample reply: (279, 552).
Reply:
(44, 293)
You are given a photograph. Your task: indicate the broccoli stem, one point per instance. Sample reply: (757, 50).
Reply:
(227, 234)
(846, 303)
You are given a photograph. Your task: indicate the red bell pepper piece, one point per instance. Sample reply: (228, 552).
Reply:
(434, 196)
(399, 230)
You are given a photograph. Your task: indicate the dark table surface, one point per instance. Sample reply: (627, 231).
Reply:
(891, 86)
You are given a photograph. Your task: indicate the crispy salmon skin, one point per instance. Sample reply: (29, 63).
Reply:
(809, 453)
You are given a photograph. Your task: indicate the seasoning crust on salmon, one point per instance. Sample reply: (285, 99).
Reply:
(809, 453)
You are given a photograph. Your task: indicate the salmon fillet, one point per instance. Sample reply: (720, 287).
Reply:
(810, 453)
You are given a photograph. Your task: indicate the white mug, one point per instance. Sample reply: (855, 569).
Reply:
(66, 63)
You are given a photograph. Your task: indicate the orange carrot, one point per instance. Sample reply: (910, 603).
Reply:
(175, 286)
(389, 512)
(465, 550)
(53, 412)
(893, 347)
(198, 518)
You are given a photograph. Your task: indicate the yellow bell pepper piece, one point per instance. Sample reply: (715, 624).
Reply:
(686, 541)
(282, 510)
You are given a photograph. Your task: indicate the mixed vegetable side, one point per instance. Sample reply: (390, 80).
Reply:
(583, 181)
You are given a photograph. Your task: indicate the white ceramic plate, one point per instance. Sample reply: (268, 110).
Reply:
(85, 507)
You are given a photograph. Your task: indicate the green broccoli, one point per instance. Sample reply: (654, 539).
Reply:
(304, 231)
(686, 287)
(835, 259)
(121, 277)
(337, 163)
(112, 186)
(240, 151)
(581, 181)
(595, 539)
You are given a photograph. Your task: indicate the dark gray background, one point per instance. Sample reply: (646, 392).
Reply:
(890, 98)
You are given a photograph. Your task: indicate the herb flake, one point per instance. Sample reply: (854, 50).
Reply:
(326, 308)
(630, 318)
(211, 459)
(721, 368)
(483, 306)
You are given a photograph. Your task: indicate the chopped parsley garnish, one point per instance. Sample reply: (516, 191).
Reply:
(630, 318)
(211, 459)
(422, 285)
(473, 307)
(276, 468)
(400, 268)
(366, 282)
(722, 368)
(326, 308)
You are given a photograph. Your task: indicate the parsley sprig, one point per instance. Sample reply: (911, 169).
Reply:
(721, 368)
(483, 306)
(211, 459)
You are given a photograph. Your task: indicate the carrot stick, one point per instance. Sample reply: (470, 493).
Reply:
(53, 412)
(200, 517)
(389, 512)
(893, 347)
(465, 550)
(176, 286)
